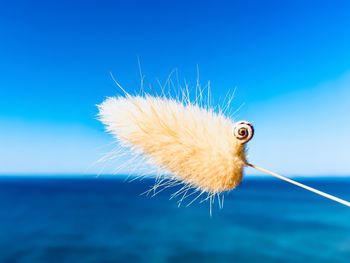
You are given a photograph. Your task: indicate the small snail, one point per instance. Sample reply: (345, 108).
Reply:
(243, 131)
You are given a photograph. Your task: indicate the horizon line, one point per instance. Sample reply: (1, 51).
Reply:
(150, 176)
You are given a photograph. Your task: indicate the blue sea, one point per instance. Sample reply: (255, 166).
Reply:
(103, 219)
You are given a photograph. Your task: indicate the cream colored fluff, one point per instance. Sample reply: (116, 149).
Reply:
(196, 145)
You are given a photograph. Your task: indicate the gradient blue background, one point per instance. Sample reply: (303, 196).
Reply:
(290, 62)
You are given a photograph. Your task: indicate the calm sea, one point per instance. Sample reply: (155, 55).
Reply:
(106, 220)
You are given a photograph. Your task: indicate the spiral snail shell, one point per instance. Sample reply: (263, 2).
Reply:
(243, 131)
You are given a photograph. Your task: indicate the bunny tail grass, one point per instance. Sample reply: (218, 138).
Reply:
(336, 199)
(195, 145)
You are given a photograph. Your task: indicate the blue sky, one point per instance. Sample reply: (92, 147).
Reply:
(289, 62)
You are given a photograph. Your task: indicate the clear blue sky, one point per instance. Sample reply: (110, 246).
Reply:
(290, 62)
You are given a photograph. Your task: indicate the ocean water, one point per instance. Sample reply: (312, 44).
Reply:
(106, 220)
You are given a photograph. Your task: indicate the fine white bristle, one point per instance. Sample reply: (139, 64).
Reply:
(195, 144)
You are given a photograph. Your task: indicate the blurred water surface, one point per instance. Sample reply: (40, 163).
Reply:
(55, 219)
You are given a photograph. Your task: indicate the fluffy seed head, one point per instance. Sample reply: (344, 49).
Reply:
(196, 145)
